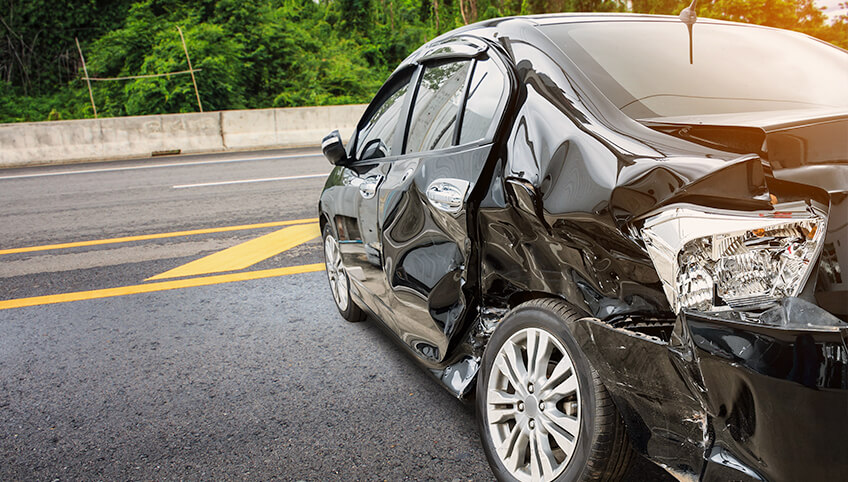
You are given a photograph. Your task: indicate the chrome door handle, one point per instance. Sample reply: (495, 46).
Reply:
(368, 186)
(447, 194)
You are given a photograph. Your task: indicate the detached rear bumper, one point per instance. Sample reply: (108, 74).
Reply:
(725, 400)
(777, 398)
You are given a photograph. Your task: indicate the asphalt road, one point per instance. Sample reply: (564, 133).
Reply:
(131, 347)
(65, 204)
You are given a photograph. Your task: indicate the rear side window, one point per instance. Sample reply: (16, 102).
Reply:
(433, 122)
(376, 137)
(486, 93)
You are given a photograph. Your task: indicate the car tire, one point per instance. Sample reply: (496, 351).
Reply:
(552, 420)
(338, 278)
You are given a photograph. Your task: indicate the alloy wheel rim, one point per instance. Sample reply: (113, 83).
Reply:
(533, 406)
(336, 272)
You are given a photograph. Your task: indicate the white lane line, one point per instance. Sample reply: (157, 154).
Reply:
(247, 181)
(154, 166)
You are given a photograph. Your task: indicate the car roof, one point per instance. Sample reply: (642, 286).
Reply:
(517, 26)
(483, 29)
(582, 17)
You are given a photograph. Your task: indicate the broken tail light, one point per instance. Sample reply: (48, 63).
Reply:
(714, 260)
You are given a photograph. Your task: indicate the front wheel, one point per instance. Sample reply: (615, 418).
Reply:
(338, 278)
(542, 410)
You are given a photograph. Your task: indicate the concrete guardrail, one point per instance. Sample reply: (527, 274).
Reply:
(59, 142)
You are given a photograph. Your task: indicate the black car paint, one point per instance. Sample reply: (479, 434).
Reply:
(554, 210)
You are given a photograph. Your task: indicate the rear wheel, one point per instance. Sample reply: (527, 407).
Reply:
(542, 410)
(338, 278)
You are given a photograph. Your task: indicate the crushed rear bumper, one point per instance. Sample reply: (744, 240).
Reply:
(729, 400)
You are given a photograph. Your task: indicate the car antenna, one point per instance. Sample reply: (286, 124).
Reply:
(689, 17)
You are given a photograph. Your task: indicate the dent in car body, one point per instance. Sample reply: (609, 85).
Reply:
(767, 388)
(555, 212)
(557, 231)
(727, 400)
(572, 185)
(724, 400)
(656, 389)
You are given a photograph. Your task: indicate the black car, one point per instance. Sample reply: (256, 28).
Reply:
(618, 234)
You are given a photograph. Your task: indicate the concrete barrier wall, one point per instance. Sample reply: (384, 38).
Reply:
(58, 142)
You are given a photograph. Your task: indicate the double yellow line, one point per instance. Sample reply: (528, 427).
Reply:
(235, 258)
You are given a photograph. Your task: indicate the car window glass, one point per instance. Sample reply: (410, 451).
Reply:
(485, 93)
(433, 120)
(375, 138)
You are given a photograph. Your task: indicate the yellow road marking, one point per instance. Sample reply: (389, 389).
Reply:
(161, 286)
(145, 237)
(245, 255)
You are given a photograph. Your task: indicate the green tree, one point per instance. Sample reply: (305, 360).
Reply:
(37, 50)
(264, 53)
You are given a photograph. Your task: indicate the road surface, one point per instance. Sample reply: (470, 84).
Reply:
(168, 319)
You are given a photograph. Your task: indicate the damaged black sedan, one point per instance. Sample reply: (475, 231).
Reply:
(624, 234)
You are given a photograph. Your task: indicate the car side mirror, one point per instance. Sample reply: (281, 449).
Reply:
(334, 149)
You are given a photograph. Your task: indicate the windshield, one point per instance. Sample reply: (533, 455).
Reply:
(643, 67)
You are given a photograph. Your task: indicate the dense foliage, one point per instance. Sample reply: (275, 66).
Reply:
(265, 53)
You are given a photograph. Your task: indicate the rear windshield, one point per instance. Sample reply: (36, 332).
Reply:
(643, 67)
